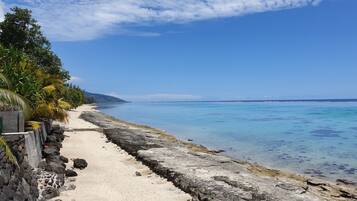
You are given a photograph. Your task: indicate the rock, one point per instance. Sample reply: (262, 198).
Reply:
(291, 187)
(345, 181)
(71, 187)
(2, 180)
(71, 173)
(80, 163)
(42, 164)
(52, 138)
(50, 192)
(314, 183)
(138, 174)
(64, 159)
(218, 151)
(26, 186)
(68, 187)
(51, 150)
(17, 183)
(55, 167)
(190, 140)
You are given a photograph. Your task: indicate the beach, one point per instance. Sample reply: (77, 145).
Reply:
(111, 174)
(196, 170)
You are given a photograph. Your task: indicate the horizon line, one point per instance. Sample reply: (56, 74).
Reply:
(264, 100)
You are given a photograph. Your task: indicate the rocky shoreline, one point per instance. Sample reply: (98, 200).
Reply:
(207, 175)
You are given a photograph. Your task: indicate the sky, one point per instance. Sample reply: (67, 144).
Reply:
(147, 50)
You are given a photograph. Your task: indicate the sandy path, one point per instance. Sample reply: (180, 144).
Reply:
(110, 175)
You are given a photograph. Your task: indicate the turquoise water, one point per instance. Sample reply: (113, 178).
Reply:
(314, 138)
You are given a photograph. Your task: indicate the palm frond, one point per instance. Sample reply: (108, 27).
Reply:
(10, 98)
(4, 79)
(8, 153)
(51, 111)
(49, 88)
(64, 104)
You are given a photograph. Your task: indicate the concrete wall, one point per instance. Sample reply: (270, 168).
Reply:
(33, 142)
(12, 121)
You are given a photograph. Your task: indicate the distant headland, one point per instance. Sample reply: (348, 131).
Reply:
(101, 98)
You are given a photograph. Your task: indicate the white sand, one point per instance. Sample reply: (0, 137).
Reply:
(110, 175)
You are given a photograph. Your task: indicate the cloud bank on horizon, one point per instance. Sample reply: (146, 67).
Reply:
(74, 20)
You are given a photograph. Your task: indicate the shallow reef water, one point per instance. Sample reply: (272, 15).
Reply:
(314, 138)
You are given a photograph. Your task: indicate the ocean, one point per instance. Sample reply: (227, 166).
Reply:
(318, 139)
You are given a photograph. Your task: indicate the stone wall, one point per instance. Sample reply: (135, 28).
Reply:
(17, 181)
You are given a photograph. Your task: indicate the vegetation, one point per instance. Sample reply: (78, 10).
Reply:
(74, 95)
(10, 98)
(32, 77)
(100, 98)
(20, 31)
(8, 153)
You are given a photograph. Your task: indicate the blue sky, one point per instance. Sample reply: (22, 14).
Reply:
(303, 49)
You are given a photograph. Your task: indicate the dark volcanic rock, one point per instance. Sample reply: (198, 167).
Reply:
(52, 138)
(80, 163)
(51, 150)
(17, 182)
(64, 159)
(56, 167)
(137, 142)
(50, 192)
(71, 173)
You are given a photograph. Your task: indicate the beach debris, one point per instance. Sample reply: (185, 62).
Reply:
(80, 163)
(138, 174)
(70, 173)
(190, 140)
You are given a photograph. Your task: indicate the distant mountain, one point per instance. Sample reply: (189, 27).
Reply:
(101, 98)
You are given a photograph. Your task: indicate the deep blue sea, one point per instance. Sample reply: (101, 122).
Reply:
(314, 138)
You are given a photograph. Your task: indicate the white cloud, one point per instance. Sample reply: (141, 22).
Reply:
(90, 19)
(2, 11)
(159, 97)
(75, 79)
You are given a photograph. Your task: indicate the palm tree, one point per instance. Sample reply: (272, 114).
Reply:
(9, 98)
(52, 106)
